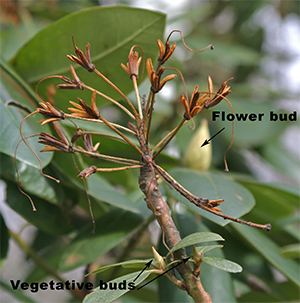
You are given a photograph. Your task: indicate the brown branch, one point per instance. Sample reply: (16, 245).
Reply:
(149, 186)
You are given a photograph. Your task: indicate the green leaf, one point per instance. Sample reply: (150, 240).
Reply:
(126, 264)
(238, 200)
(276, 205)
(277, 155)
(204, 249)
(222, 264)
(117, 29)
(49, 217)
(197, 238)
(248, 133)
(14, 89)
(32, 180)
(99, 188)
(270, 251)
(106, 296)
(291, 251)
(256, 296)
(86, 247)
(19, 294)
(4, 240)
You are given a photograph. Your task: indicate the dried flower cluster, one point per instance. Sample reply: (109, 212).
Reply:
(193, 105)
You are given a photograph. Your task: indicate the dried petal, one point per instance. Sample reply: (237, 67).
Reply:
(94, 108)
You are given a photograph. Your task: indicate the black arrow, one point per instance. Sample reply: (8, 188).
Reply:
(207, 141)
(147, 266)
(182, 262)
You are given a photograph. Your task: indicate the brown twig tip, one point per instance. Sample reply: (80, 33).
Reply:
(268, 227)
(87, 172)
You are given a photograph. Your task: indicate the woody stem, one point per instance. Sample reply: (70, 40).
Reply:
(155, 202)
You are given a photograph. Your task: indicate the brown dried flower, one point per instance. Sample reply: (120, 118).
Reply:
(195, 105)
(50, 111)
(83, 60)
(132, 66)
(223, 91)
(156, 83)
(165, 51)
(88, 145)
(53, 144)
(83, 111)
(72, 84)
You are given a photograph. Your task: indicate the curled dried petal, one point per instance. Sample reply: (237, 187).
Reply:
(94, 108)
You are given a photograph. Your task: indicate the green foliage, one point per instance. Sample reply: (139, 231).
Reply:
(222, 264)
(197, 238)
(107, 296)
(238, 200)
(109, 49)
(15, 90)
(62, 217)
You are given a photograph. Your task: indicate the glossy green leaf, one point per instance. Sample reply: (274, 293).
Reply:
(48, 217)
(270, 251)
(113, 32)
(19, 294)
(256, 296)
(248, 133)
(291, 251)
(127, 264)
(99, 188)
(222, 264)
(238, 200)
(197, 238)
(111, 229)
(106, 296)
(31, 179)
(204, 249)
(277, 155)
(3, 240)
(275, 203)
(148, 295)
(14, 89)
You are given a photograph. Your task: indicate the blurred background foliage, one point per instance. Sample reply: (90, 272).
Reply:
(257, 43)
